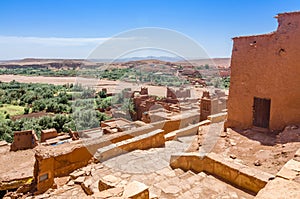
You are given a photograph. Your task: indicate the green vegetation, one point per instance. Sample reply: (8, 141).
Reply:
(219, 82)
(15, 97)
(127, 74)
(22, 98)
(37, 71)
(73, 106)
(128, 106)
(226, 82)
(103, 103)
(11, 110)
(60, 122)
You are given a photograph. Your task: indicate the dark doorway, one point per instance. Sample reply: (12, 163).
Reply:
(261, 112)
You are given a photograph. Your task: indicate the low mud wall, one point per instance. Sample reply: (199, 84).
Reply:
(239, 175)
(146, 141)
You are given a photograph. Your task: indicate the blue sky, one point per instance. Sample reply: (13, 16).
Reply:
(73, 28)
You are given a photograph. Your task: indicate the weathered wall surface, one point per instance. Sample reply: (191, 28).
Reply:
(177, 122)
(219, 117)
(267, 66)
(59, 165)
(48, 134)
(142, 142)
(43, 166)
(24, 140)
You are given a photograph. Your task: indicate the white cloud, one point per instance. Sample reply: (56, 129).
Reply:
(144, 41)
(51, 41)
(12, 47)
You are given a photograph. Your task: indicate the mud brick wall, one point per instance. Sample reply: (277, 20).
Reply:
(267, 66)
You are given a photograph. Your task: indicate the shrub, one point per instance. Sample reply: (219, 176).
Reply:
(26, 110)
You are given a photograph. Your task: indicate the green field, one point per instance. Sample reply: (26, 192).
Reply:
(11, 110)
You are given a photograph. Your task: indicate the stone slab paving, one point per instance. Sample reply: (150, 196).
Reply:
(147, 161)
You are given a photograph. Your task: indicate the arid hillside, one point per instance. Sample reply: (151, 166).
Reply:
(76, 63)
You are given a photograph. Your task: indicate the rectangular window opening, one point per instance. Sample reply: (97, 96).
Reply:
(43, 177)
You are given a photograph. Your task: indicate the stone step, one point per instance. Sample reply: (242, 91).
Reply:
(240, 175)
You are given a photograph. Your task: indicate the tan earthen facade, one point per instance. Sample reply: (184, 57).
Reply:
(265, 71)
(24, 140)
(212, 103)
(48, 134)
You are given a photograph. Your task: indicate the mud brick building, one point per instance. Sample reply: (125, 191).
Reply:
(265, 77)
(24, 140)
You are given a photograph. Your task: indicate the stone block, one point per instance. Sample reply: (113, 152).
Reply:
(280, 188)
(110, 193)
(107, 182)
(87, 186)
(171, 136)
(286, 173)
(290, 170)
(136, 190)
(79, 180)
(242, 176)
(76, 174)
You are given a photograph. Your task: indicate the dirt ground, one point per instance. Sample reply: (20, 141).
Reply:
(111, 86)
(16, 165)
(255, 149)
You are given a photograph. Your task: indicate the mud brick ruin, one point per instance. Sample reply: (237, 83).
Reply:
(212, 104)
(48, 134)
(24, 140)
(264, 84)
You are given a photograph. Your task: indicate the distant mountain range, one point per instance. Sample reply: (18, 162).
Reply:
(36, 61)
(161, 58)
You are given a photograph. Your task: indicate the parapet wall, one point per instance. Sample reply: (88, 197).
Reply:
(178, 122)
(47, 167)
(142, 142)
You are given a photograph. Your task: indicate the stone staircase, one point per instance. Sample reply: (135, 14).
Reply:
(142, 174)
(99, 181)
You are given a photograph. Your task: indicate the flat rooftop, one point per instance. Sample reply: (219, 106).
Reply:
(16, 164)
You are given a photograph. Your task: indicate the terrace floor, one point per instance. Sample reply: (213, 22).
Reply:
(150, 167)
(16, 165)
(252, 148)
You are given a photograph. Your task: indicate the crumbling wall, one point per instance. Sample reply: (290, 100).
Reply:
(57, 161)
(48, 134)
(212, 104)
(47, 167)
(149, 140)
(178, 122)
(178, 93)
(43, 173)
(24, 140)
(267, 66)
